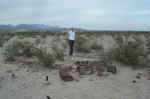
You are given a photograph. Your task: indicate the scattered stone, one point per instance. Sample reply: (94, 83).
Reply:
(13, 75)
(48, 97)
(138, 77)
(134, 81)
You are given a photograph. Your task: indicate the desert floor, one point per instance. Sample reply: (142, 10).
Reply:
(29, 83)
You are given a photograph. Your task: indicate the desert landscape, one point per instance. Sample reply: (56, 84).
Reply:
(29, 61)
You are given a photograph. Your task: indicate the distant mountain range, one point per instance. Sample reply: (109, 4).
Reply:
(29, 27)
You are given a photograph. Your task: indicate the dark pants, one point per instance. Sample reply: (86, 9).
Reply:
(71, 44)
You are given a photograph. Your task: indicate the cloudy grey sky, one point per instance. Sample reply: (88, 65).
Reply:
(89, 14)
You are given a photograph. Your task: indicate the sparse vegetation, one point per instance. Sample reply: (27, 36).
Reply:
(17, 49)
(127, 53)
(81, 44)
(47, 59)
(59, 53)
(26, 49)
(96, 46)
(4, 37)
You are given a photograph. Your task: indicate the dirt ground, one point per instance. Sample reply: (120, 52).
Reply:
(31, 84)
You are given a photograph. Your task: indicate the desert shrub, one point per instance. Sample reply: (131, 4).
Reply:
(58, 48)
(81, 44)
(127, 53)
(17, 49)
(148, 45)
(1, 41)
(59, 53)
(96, 46)
(4, 38)
(47, 59)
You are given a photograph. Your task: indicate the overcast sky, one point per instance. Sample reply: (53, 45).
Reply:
(89, 14)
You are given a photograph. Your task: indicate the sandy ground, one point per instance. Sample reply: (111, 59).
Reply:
(32, 85)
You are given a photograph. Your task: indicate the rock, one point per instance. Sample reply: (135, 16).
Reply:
(48, 97)
(138, 77)
(134, 81)
(13, 76)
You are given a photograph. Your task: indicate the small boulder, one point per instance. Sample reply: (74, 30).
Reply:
(13, 76)
(134, 81)
(138, 77)
(48, 97)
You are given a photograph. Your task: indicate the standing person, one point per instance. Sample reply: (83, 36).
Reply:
(71, 39)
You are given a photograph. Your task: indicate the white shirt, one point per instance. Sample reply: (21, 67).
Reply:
(71, 35)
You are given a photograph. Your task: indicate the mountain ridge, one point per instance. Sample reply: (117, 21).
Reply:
(29, 27)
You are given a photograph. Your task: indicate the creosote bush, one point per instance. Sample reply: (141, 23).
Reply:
(127, 53)
(96, 46)
(17, 49)
(47, 59)
(81, 44)
(59, 53)
(26, 49)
